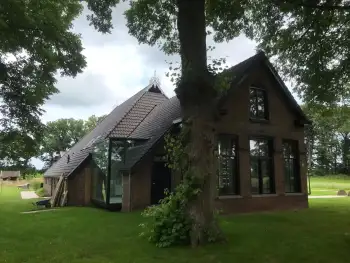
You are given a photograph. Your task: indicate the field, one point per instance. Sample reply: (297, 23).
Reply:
(329, 185)
(89, 235)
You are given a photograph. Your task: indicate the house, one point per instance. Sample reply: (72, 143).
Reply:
(120, 164)
(10, 175)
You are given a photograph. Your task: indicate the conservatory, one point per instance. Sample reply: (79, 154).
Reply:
(108, 158)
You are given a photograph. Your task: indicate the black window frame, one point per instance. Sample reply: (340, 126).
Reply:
(257, 117)
(269, 159)
(295, 162)
(234, 158)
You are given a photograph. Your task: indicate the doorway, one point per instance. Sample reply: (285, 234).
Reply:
(161, 180)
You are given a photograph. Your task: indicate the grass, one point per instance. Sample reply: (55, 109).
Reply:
(329, 185)
(88, 235)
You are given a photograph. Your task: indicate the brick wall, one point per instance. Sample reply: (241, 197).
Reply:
(280, 126)
(79, 187)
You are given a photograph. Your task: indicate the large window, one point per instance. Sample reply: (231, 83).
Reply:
(118, 149)
(258, 104)
(100, 171)
(228, 173)
(261, 169)
(291, 166)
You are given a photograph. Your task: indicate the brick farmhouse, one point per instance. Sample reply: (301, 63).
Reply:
(120, 164)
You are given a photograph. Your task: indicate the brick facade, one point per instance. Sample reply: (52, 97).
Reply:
(79, 187)
(280, 126)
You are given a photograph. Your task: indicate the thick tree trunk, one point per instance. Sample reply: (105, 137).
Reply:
(196, 94)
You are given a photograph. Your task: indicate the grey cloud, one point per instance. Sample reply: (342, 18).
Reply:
(85, 90)
(91, 37)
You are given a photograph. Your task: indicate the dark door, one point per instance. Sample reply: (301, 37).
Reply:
(161, 180)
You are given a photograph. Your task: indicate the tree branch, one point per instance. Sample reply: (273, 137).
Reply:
(325, 6)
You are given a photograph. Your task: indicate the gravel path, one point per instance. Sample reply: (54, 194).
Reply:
(28, 195)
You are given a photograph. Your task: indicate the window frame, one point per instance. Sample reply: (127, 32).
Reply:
(296, 167)
(235, 176)
(266, 116)
(270, 158)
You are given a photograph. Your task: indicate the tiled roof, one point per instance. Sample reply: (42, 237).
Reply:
(129, 110)
(153, 127)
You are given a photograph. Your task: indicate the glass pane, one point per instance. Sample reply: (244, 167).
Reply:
(227, 175)
(252, 102)
(254, 148)
(260, 103)
(257, 102)
(117, 161)
(260, 147)
(99, 170)
(254, 174)
(227, 146)
(290, 162)
(266, 177)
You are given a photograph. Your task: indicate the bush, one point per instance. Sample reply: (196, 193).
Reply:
(35, 184)
(40, 192)
(168, 223)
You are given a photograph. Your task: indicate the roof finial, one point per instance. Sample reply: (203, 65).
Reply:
(155, 80)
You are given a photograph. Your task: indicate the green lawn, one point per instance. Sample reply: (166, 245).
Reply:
(76, 235)
(329, 185)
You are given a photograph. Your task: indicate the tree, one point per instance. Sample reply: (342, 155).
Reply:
(60, 135)
(329, 139)
(309, 40)
(36, 43)
(92, 122)
(181, 27)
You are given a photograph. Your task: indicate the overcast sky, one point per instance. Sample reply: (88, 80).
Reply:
(117, 68)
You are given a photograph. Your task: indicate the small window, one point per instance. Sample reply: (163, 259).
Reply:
(228, 170)
(261, 170)
(291, 166)
(258, 104)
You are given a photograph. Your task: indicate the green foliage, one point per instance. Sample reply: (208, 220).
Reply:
(40, 192)
(217, 67)
(36, 44)
(328, 139)
(30, 176)
(35, 184)
(309, 40)
(168, 223)
(62, 134)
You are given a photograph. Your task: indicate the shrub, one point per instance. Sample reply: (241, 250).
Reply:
(35, 184)
(168, 223)
(40, 192)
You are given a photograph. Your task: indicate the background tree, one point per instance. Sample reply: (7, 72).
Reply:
(61, 135)
(329, 139)
(92, 122)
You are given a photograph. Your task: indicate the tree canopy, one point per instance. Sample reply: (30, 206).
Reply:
(60, 135)
(36, 45)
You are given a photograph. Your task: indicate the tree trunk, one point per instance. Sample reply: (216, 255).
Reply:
(197, 94)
